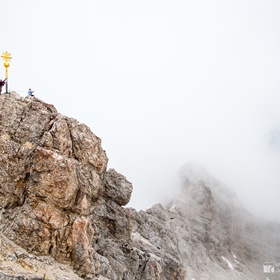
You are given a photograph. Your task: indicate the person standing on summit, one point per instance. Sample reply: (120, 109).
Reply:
(2, 83)
(30, 92)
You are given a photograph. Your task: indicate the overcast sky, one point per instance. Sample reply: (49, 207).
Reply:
(161, 83)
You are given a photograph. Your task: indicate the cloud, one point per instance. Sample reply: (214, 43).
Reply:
(162, 84)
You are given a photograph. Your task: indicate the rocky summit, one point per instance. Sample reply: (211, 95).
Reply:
(63, 217)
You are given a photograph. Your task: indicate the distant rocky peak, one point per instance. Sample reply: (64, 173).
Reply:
(196, 179)
(193, 173)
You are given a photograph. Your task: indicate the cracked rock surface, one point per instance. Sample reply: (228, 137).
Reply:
(51, 177)
(63, 217)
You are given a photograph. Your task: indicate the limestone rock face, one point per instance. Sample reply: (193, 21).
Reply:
(51, 176)
(117, 187)
(62, 214)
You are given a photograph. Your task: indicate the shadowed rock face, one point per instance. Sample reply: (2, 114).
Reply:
(57, 199)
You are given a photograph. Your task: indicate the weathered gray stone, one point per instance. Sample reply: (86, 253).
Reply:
(117, 187)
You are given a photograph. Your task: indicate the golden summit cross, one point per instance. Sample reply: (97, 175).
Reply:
(6, 57)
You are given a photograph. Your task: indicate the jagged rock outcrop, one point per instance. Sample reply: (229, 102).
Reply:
(60, 208)
(51, 176)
